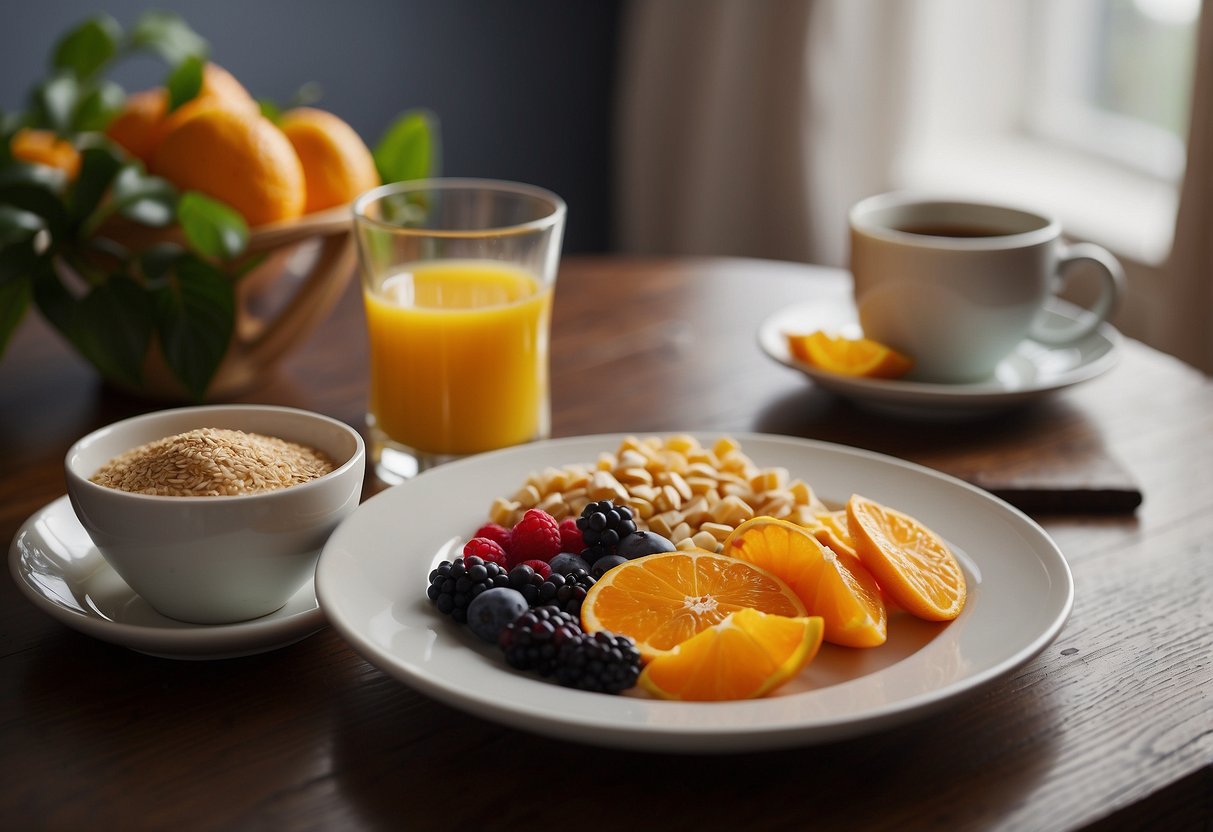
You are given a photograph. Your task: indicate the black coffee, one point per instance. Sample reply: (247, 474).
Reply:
(953, 230)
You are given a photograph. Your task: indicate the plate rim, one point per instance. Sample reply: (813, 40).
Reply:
(708, 737)
(187, 641)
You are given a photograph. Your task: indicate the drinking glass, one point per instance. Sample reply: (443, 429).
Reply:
(457, 277)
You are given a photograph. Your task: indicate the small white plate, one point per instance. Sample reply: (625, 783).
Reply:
(56, 565)
(373, 574)
(1031, 371)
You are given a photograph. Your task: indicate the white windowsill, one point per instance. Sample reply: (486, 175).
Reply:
(1129, 213)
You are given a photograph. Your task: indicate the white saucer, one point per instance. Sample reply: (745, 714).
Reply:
(1031, 371)
(55, 564)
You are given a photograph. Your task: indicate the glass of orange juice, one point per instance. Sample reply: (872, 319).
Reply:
(457, 279)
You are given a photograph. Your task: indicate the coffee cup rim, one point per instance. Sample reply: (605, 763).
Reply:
(1048, 227)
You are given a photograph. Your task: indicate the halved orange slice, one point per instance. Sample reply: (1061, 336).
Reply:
(912, 563)
(747, 655)
(849, 356)
(662, 600)
(831, 584)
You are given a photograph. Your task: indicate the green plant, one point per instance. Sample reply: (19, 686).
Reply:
(109, 301)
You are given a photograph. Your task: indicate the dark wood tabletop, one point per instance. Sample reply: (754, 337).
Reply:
(1111, 727)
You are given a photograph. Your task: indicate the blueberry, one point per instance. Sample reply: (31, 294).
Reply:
(639, 544)
(566, 562)
(491, 610)
(605, 563)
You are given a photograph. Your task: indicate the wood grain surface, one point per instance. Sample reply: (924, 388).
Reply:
(1110, 728)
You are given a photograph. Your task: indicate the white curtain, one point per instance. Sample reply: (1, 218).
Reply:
(1188, 275)
(744, 126)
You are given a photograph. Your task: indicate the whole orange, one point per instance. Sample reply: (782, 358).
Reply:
(337, 165)
(142, 123)
(239, 158)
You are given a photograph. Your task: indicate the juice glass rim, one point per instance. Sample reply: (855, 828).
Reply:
(453, 184)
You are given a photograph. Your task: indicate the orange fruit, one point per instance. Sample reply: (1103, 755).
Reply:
(832, 531)
(43, 147)
(831, 584)
(142, 123)
(337, 165)
(912, 563)
(848, 356)
(134, 127)
(239, 158)
(662, 600)
(748, 654)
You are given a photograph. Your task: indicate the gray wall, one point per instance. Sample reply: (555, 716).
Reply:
(523, 88)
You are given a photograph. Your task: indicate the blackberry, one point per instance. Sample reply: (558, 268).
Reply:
(453, 584)
(602, 662)
(603, 524)
(550, 641)
(533, 640)
(527, 581)
(566, 591)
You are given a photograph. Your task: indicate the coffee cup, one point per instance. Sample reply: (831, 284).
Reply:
(958, 285)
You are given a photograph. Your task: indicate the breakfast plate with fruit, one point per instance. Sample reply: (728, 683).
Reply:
(1031, 371)
(778, 612)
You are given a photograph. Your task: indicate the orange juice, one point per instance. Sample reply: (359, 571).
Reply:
(459, 356)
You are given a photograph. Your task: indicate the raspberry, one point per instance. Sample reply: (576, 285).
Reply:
(570, 536)
(535, 537)
(497, 532)
(489, 551)
(543, 568)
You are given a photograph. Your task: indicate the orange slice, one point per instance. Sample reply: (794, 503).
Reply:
(831, 584)
(747, 655)
(832, 531)
(849, 356)
(662, 600)
(912, 563)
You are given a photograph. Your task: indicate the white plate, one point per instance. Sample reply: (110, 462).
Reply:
(373, 574)
(1031, 371)
(56, 565)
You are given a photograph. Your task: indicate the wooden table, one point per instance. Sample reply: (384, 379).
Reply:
(1110, 728)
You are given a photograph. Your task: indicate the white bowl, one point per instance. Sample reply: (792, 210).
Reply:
(214, 560)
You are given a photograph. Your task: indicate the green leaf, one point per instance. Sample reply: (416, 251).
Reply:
(35, 188)
(145, 199)
(157, 261)
(197, 313)
(184, 82)
(410, 148)
(87, 48)
(14, 300)
(168, 35)
(111, 326)
(18, 226)
(97, 107)
(212, 228)
(99, 165)
(53, 102)
(270, 110)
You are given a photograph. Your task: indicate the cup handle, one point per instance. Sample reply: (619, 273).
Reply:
(1113, 286)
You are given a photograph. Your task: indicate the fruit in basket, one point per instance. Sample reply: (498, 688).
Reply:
(239, 158)
(143, 122)
(43, 147)
(913, 564)
(831, 584)
(337, 165)
(747, 655)
(662, 600)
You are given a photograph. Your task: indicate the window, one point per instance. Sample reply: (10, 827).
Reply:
(1078, 107)
(1113, 78)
